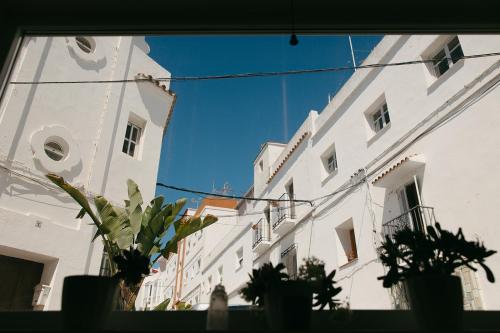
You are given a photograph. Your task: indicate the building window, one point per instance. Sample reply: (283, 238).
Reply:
(132, 139)
(54, 150)
(331, 162)
(261, 166)
(289, 259)
(380, 118)
(347, 249)
(450, 54)
(86, 44)
(239, 258)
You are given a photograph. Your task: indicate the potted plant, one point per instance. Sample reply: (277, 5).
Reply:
(287, 302)
(424, 263)
(322, 285)
(133, 237)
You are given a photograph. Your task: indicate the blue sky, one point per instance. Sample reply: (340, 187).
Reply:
(218, 126)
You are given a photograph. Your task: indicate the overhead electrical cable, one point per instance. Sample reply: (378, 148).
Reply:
(182, 189)
(262, 74)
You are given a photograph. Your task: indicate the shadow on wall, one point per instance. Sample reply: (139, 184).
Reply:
(69, 175)
(154, 98)
(18, 187)
(27, 106)
(87, 64)
(351, 99)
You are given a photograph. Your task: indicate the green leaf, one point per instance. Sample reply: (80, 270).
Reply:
(163, 306)
(115, 223)
(76, 195)
(489, 273)
(134, 206)
(81, 214)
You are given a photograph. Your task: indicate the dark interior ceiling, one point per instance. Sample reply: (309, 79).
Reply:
(252, 16)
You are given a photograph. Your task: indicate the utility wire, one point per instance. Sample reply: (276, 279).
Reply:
(263, 74)
(230, 196)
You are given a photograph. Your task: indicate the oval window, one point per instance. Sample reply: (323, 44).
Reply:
(85, 44)
(54, 150)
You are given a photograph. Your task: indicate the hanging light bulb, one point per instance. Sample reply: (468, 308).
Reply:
(294, 40)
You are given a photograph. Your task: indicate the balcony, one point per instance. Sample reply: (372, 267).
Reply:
(417, 218)
(261, 237)
(283, 215)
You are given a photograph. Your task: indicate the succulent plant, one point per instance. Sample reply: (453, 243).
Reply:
(261, 280)
(438, 252)
(313, 270)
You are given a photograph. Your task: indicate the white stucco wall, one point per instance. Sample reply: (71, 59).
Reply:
(91, 118)
(451, 122)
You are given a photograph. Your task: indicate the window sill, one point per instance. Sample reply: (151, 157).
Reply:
(329, 176)
(349, 263)
(439, 80)
(378, 134)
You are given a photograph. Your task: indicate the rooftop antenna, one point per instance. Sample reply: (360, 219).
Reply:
(196, 201)
(352, 52)
(226, 189)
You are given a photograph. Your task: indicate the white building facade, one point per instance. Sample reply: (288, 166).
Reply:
(95, 134)
(413, 144)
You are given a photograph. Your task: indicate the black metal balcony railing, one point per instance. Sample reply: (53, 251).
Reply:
(260, 232)
(282, 210)
(417, 218)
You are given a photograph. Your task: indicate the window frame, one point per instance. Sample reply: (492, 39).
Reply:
(383, 119)
(447, 56)
(128, 141)
(334, 162)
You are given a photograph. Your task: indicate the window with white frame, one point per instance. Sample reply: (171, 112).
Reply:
(86, 44)
(132, 139)
(331, 162)
(239, 258)
(380, 118)
(450, 54)
(346, 246)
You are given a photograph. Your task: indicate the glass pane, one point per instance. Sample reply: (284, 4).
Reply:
(380, 123)
(442, 67)
(454, 42)
(456, 54)
(125, 146)
(386, 116)
(127, 132)
(132, 149)
(134, 134)
(439, 57)
(377, 116)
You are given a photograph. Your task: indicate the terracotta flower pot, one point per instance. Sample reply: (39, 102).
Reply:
(288, 306)
(87, 301)
(436, 301)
